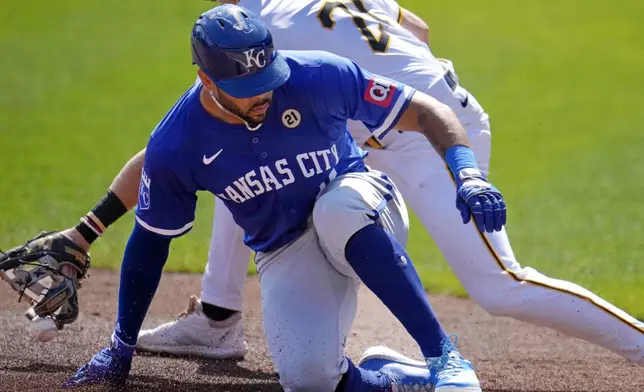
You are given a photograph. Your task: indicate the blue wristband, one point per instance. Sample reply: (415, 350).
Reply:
(458, 158)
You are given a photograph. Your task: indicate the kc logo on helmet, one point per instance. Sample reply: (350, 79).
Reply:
(380, 92)
(258, 58)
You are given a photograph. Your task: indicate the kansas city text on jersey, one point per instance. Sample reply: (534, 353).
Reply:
(264, 179)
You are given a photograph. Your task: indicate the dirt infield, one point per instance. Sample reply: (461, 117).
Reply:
(508, 355)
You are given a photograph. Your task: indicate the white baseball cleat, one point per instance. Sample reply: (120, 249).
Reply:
(194, 334)
(451, 372)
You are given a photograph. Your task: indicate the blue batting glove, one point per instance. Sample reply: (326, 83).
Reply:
(109, 367)
(477, 198)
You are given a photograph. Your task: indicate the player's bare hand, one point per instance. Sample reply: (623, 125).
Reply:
(477, 198)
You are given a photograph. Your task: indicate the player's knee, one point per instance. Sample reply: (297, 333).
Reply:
(310, 376)
(331, 206)
(337, 214)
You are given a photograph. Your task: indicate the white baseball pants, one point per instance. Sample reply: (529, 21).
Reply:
(309, 290)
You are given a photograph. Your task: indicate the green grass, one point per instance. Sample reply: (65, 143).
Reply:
(82, 84)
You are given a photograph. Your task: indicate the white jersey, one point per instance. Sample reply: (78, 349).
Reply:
(365, 31)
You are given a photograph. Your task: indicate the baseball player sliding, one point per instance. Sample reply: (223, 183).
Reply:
(484, 263)
(266, 132)
(367, 33)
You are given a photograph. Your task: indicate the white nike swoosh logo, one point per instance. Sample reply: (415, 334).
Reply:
(208, 161)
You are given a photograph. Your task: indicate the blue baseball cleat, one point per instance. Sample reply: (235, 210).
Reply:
(408, 375)
(451, 372)
(109, 367)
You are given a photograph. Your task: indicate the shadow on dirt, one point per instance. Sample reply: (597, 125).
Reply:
(224, 375)
(523, 390)
(232, 369)
(34, 367)
(220, 372)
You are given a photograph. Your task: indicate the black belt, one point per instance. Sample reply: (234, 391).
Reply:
(451, 79)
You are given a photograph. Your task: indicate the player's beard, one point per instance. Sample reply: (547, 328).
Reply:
(251, 120)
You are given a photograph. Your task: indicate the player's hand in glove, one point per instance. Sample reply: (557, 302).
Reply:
(47, 269)
(110, 367)
(477, 198)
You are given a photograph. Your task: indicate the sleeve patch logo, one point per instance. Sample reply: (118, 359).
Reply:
(144, 191)
(380, 92)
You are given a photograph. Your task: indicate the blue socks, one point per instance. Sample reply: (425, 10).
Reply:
(143, 261)
(387, 270)
(360, 380)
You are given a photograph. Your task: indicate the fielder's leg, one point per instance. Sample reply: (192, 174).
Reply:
(485, 264)
(228, 259)
(212, 327)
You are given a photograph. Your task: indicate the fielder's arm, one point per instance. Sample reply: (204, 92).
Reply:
(122, 196)
(414, 24)
(435, 120)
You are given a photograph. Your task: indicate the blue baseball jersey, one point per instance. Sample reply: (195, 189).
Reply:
(269, 178)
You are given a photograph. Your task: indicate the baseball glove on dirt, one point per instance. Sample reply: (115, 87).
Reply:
(47, 269)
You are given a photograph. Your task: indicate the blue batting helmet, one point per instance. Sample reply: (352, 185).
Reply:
(235, 49)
